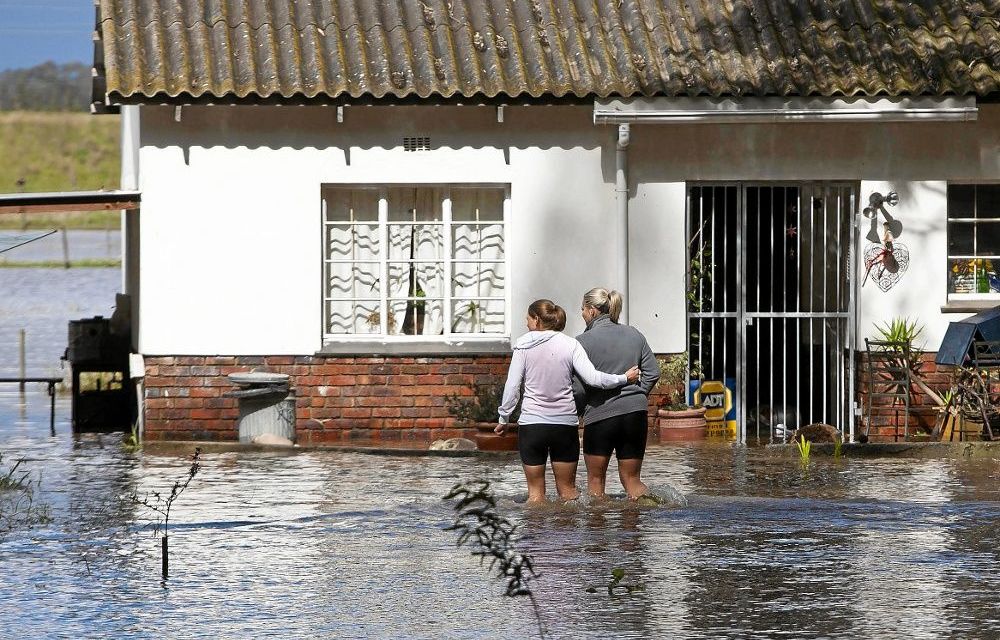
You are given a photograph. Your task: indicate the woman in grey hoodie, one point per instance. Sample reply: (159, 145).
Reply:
(544, 361)
(614, 419)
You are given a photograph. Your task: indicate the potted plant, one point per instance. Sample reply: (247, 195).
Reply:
(479, 412)
(676, 421)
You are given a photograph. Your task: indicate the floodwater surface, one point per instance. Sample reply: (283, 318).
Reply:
(348, 545)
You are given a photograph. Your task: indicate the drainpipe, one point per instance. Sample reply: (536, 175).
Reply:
(621, 206)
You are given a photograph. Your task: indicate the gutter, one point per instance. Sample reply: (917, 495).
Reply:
(784, 110)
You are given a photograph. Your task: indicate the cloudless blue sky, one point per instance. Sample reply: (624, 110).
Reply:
(34, 31)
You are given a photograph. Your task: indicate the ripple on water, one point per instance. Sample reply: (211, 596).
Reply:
(348, 545)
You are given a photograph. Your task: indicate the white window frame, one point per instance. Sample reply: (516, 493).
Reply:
(383, 222)
(964, 297)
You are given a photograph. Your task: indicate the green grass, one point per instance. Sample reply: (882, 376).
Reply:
(59, 152)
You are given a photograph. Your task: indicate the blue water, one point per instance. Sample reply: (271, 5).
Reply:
(345, 545)
(349, 545)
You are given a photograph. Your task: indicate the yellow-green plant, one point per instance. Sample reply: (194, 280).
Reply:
(131, 441)
(803, 446)
(837, 444)
(908, 332)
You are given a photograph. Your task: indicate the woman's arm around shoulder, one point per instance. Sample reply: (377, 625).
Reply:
(590, 375)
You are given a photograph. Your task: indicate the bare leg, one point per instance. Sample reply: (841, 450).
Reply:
(565, 473)
(535, 475)
(628, 471)
(597, 474)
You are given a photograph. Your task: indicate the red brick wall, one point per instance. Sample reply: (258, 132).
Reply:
(887, 423)
(337, 398)
(391, 398)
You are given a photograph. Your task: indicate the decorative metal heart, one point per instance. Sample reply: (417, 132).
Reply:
(886, 271)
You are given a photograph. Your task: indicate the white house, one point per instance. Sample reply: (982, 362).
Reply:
(367, 194)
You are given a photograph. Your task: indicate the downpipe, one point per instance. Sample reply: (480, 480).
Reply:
(621, 206)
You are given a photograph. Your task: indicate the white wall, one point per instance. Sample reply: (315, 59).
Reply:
(923, 288)
(230, 231)
(231, 260)
(914, 159)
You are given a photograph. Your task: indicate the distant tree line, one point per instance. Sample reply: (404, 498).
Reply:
(46, 87)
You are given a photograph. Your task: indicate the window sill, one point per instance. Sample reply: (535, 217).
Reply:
(973, 305)
(441, 347)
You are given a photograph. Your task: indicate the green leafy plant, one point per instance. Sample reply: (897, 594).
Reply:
(838, 444)
(471, 310)
(481, 406)
(907, 332)
(491, 536)
(18, 509)
(131, 442)
(617, 575)
(803, 446)
(675, 374)
(160, 506)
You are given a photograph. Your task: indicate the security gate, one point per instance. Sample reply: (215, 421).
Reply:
(771, 301)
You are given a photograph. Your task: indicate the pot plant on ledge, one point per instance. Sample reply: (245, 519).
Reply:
(479, 412)
(676, 421)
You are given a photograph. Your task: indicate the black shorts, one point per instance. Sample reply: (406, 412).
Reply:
(625, 435)
(537, 442)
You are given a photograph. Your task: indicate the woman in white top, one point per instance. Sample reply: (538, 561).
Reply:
(544, 361)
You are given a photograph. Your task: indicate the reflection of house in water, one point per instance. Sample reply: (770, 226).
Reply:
(372, 214)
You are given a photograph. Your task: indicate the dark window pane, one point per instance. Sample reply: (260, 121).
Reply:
(961, 198)
(960, 238)
(988, 239)
(988, 201)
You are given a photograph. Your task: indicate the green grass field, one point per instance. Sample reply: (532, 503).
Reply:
(59, 152)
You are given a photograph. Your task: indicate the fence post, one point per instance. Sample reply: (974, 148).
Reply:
(23, 359)
(65, 248)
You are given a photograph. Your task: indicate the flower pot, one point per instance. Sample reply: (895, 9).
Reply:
(487, 440)
(686, 425)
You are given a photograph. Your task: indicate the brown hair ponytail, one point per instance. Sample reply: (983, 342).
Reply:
(549, 315)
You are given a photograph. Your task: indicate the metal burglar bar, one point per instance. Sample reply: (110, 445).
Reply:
(770, 301)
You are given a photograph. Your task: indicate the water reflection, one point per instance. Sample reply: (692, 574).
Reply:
(349, 545)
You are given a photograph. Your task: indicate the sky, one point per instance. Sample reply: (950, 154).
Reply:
(35, 31)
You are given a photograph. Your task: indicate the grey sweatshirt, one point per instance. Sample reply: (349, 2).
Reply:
(614, 347)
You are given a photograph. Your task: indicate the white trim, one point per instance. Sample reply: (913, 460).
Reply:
(792, 109)
(447, 260)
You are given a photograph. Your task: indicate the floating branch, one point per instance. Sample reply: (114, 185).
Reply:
(491, 536)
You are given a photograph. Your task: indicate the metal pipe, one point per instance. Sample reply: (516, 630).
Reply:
(621, 203)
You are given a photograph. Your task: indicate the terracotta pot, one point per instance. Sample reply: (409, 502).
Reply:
(487, 440)
(686, 425)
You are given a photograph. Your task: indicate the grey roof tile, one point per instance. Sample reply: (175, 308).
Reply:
(339, 49)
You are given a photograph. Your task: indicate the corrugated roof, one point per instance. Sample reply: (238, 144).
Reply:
(242, 50)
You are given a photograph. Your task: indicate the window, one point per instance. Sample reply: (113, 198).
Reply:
(415, 261)
(973, 241)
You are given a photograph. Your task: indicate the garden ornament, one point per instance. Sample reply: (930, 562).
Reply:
(886, 262)
(885, 259)
(876, 205)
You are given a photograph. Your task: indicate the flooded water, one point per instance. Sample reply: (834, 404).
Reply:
(43, 301)
(346, 545)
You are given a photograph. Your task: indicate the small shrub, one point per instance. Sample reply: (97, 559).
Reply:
(18, 509)
(160, 506)
(482, 406)
(675, 374)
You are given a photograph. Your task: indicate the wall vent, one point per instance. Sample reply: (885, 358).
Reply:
(417, 143)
